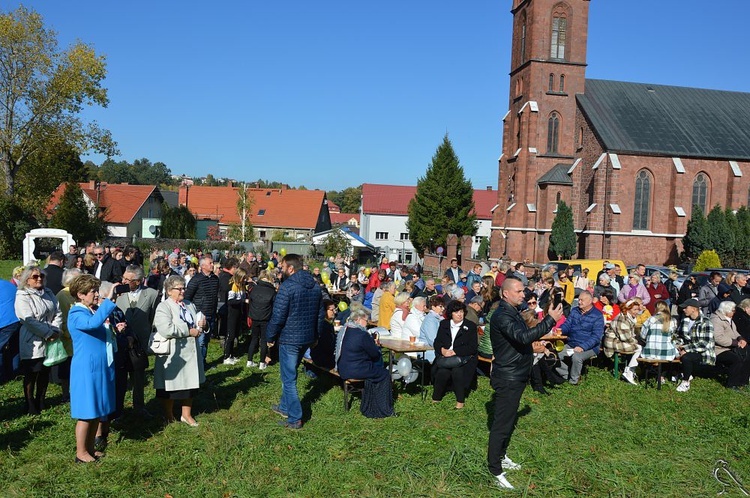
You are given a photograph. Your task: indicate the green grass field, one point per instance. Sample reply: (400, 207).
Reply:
(602, 438)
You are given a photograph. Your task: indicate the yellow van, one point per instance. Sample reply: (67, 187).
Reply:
(594, 266)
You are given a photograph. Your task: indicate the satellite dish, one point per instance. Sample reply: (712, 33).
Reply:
(152, 229)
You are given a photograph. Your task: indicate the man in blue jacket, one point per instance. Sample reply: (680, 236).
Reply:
(297, 311)
(584, 328)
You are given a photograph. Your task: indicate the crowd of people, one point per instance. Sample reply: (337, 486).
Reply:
(95, 317)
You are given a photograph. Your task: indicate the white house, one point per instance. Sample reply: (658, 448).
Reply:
(384, 212)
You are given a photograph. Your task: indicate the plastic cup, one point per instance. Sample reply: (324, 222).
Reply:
(412, 339)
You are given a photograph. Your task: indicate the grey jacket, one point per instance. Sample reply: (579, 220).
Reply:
(139, 314)
(41, 318)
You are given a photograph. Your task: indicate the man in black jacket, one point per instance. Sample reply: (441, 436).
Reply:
(53, 272)
(511, 345)
(203, 292)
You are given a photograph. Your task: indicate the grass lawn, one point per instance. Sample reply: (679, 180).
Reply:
(602, 438)
(6, 267)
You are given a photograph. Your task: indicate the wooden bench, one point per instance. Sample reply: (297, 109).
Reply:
(658, 363)
(350, 386)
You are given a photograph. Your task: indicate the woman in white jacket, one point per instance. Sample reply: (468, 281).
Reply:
(39, 312)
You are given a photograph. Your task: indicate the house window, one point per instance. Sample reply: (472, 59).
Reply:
(381, 235)
(408, 257)
(562, 83)
(262, 234)
(551, 82)
(261, 212)
(404, 236)
(553, 132)
(559, 28)
(642, 200)
(700, 191)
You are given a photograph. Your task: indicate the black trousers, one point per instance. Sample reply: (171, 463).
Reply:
(460, 379)
(739, 368)
(689, 361)
(507, 398)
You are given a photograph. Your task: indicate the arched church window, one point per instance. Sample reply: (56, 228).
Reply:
(562, 83)
(551, 82)
(700, 191)
(559, 31)
(553, 133)
(642, 200)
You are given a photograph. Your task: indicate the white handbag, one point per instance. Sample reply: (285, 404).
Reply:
(159, 345)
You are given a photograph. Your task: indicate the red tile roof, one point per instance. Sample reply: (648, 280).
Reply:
(121, 201)
(343, 218)
(280, 207)
(394, 199)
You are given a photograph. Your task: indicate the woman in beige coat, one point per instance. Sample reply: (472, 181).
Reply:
(731, 349)
(178, 374)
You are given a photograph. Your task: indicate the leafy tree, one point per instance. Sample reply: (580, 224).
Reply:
(43, 91)
(177, 223)
(148, 173)
(720, 238)
(484, 249)
(75, 216)
(112, 171)
(214, 233)
(280, 236)
(349, 199)
(733, 233)
(141, 172)
(49, 166)
(562, 240)
(443, 203)
(15, 222)
(707, 259)
(696, 238)
(244, 229)
(742, 237)
(336, 243)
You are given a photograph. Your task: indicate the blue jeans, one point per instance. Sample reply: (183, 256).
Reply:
(289, 358)
(205, 337)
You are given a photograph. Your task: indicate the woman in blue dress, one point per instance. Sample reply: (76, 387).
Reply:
(92, 377)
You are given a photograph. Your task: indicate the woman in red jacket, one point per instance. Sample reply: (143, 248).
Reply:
(657, 290)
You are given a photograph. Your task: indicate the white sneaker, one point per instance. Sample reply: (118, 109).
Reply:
(230, 361)
(629, 376)
(251, 364)
(684, 386)
(262, 366)
(502, 482)
(509, 464)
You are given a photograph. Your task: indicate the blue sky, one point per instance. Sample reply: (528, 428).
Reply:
(336, 93)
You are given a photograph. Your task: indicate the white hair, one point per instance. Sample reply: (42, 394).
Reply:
(726, 307)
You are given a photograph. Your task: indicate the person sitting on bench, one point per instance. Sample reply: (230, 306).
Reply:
(359, 357)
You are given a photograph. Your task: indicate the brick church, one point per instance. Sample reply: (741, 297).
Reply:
(632, 159)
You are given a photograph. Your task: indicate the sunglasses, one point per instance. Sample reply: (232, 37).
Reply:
(37, 277)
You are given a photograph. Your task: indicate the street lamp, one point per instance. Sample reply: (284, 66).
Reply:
(403, 250)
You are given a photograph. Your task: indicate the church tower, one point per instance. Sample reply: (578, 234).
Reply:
(548, 69)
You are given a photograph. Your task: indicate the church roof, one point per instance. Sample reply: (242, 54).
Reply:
(558, 175)
(663, 120)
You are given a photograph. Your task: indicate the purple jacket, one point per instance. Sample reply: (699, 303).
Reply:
(640, 291)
